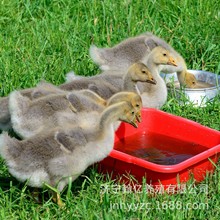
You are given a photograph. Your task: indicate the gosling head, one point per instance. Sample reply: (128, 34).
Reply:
(190, 80)
(131, 97)
(187, 79)
(162, 56)
(140, 72)
(129, 115)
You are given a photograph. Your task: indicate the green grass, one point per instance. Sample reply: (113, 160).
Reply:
(46, 39)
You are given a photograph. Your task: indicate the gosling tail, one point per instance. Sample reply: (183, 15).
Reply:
(5, 121)
(18, 105)
(8, 147)
(71, 76)
(98, 56)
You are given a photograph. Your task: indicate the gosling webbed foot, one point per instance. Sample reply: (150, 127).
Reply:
(57, 199)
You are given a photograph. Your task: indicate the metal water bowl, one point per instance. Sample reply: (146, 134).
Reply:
(196, 96)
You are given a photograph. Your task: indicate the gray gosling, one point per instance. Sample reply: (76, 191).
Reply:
(55, 157)
(107, 84)
(134, 49)
(30, 117)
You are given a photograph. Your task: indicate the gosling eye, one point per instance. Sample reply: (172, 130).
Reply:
(132, 113)
(143, 71)
(193, 82)
(164, 54)
(137, 105)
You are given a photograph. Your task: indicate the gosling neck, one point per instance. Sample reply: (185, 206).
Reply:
(153, 66)
(182, 76)
(129, 84)
(110, 115)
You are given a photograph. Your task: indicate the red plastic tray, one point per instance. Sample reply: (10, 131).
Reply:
(165, 130)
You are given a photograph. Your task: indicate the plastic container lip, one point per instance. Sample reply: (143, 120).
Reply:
(190, 162)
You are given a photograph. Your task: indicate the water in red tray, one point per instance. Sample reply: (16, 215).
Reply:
(158, 148)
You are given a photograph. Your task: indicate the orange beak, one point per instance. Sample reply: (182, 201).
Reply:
(134, 123)
(152, 81)
(172, 62)
(138, 117)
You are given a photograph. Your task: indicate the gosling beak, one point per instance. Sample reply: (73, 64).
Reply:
(172, 62)
(151, 81)
(134, 123)
(138, 117)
